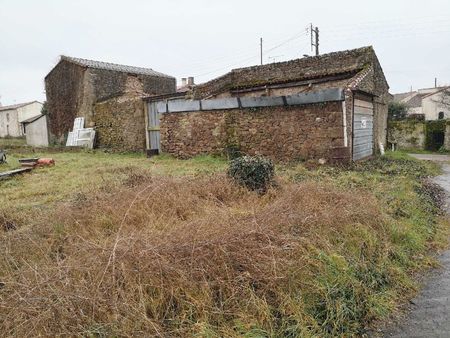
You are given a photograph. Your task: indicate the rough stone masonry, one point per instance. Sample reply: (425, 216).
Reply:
(281, 133)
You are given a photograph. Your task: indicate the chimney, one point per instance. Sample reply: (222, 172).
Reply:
(183, 82)
(190, 81)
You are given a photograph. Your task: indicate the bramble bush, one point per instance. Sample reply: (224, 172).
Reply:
(254, 172)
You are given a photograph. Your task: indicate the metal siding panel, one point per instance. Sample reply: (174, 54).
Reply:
(326, 95)
(154, 139)
(362, 132)
(363, 124)
(360, 156)
(153, 120)
(362, 140)
(362, 110)
(227, 103)
(363, 147)
(176, 106)
(261, 101)
(360, 117)
(161, 107)
(363, 103)
(362, 129)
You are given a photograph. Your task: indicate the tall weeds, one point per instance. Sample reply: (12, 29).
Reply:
(201, 256)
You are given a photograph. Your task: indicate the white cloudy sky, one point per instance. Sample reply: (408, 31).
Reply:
(206, 38)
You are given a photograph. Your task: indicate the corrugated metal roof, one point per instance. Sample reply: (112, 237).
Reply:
(114, 67)
(16, 106)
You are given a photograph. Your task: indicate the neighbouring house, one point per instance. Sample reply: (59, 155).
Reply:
(427, 102)
(107, 95)
(12, 117)
(36, 131)
(331, 107)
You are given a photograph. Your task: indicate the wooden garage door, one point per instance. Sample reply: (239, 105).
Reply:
(362, 129)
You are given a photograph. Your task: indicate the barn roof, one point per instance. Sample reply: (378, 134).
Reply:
(16, 106)
(32, 119)
(341, 63)
(113, 66)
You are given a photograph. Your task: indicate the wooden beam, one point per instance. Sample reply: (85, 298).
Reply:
(10, 173)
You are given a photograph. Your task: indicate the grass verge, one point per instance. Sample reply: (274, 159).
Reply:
(117, 245)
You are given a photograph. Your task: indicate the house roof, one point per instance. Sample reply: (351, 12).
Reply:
(414, 99)
(16, 106)
(410, 99)
(401, 96)
(343, 63)
(32, 119)
(438, 90)
(113, 66)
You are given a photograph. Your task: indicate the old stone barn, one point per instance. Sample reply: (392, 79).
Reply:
(331, 107)
(107, 95)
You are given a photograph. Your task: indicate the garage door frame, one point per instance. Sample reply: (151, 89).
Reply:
(363, 127)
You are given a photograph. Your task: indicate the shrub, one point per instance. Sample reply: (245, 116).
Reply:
(254, 172)
(434, 134)
(397, 111)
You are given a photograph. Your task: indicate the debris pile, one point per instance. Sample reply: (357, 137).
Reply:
(80, 136)
(28, 164)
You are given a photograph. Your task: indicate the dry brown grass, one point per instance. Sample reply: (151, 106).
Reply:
(181, 257)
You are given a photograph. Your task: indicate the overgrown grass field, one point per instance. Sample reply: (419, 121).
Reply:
(120, 245)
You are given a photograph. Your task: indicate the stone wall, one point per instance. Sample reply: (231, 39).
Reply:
(281, 133)
(407, 134)
(64, 87)
(447, 136)
(120, 124)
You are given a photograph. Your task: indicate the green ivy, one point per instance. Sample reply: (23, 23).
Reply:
(434, 134)
(253, 172)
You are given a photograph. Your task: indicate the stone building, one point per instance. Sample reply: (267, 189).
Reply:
(74, 86)
(331, 107)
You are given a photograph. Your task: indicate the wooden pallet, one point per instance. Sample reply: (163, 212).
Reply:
(10, 173)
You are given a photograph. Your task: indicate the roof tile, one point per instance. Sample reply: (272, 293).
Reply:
(114, 67)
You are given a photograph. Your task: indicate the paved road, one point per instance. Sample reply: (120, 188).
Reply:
(432, 157)
(430, 310)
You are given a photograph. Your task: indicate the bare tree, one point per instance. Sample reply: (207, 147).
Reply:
(443, 100)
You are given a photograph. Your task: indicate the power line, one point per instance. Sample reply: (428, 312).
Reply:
(262, 52)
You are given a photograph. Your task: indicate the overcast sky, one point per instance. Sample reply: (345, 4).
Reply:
(206, 38)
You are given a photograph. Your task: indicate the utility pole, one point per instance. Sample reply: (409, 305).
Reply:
(261, 50)
(315, 38)
(435, 82)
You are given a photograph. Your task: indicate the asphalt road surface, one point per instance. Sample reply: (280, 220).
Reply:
(430, 310)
